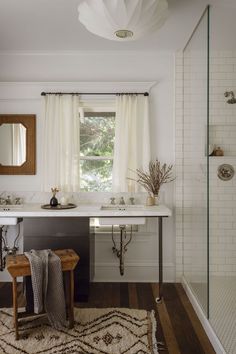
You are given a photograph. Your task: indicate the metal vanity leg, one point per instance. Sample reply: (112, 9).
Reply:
(159, 298)
(121, 253)
(71, 299)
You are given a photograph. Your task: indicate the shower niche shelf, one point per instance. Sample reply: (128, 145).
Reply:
(224, 136)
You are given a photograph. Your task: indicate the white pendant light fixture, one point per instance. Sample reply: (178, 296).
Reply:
(122, 20)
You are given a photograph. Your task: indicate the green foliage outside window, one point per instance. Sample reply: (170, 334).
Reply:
(97, 133)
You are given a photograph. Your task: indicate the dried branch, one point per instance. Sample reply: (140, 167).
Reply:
(156, 175)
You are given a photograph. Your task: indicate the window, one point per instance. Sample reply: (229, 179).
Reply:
(97, 133)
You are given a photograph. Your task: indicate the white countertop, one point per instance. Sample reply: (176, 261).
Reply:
(89, 210)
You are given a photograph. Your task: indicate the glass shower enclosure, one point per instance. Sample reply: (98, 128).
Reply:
(195, 161)
(209, 183)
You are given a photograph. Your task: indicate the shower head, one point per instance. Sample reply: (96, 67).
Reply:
(232, 99)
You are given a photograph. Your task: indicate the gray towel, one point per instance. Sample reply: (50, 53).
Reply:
(47, 284)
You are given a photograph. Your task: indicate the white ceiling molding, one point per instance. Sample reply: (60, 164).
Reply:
(81, 52)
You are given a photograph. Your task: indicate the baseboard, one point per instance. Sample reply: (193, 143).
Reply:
(134, 272)
(204, 321)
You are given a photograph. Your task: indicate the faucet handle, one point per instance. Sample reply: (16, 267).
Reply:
(131, 200)
(113, 200)
(2, 201)
(17, 201)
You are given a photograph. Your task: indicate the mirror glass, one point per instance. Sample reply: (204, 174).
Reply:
(12, 144)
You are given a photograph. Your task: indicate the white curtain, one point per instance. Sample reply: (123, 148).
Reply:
(132, 140)
(18, 144)
(61, 143)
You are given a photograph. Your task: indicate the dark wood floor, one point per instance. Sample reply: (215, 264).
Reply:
(177, 324)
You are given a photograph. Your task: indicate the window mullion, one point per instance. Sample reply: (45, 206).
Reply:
(96, 158)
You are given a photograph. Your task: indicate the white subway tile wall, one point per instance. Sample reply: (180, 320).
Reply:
(179, 162)
(222, 133)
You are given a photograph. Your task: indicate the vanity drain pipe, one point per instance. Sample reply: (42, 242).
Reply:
(5, 248)
(122, 246)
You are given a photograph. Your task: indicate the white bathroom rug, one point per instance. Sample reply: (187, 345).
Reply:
(96, 331)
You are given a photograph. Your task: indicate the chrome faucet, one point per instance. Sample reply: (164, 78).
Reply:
(122, 201)
(8, 200)
(113, 200)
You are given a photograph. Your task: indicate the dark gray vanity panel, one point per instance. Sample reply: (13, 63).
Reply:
(60, 233)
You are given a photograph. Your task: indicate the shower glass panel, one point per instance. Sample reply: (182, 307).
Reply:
(195, 161)
(222, 133)
(209, 162)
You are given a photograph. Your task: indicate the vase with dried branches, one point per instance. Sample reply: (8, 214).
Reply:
(152, 180)
(53, 200)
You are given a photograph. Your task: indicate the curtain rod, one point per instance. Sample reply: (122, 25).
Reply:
(94, 93)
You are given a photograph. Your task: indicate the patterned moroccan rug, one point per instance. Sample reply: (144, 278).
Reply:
(96, 331)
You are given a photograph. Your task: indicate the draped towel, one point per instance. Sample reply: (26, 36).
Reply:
(47, 284)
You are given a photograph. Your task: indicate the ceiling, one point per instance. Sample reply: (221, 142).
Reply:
(52, 25)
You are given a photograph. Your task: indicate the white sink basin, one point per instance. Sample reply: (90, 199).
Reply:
(122, 207)
(9, 221)
(122, 221)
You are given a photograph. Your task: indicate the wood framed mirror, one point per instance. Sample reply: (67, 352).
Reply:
(17, 144)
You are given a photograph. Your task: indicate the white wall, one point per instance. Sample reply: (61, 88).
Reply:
(18, 96)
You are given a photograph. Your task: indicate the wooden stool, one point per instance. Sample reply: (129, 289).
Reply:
(18, 266)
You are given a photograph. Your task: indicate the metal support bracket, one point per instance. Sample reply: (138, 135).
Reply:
(159, 298)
